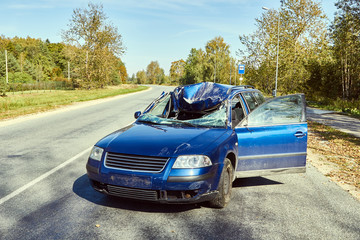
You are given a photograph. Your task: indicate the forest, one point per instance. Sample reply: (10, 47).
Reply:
(89, 56)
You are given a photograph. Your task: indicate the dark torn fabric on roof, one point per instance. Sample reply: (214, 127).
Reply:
(199, 97)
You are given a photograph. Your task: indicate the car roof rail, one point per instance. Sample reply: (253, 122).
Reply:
(240, 87)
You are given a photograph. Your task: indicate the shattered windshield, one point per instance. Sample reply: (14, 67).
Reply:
(164, 113)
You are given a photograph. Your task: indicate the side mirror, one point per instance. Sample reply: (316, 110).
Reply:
(137, 114)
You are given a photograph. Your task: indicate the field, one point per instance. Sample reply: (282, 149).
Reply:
(22, 103)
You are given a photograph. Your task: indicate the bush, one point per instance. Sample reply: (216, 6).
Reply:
(20, 77)
(3, 86)
(347, 106)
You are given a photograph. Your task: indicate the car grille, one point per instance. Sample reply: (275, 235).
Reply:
(134, 193)
(135, 162)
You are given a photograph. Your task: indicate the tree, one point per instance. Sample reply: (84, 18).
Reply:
(123, 73)
(154, 74)
(303, 37)
(99, 45)
(177, 71)
(345, 31)
(218, 54)
(141, 77)
(194, 68)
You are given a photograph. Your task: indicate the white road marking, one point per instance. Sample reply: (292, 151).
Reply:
(42, 177)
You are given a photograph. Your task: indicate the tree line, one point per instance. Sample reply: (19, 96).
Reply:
(89, 56)
(211, 64)
(318, 59)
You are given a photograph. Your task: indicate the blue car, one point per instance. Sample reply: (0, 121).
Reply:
(190, 144)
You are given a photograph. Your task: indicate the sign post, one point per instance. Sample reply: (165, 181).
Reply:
(241, 71)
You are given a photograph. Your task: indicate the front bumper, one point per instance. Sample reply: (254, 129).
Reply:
(160, 196)
(170, 186)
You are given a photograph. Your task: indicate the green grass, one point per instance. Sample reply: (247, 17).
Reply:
(351, 108)
(27, 103)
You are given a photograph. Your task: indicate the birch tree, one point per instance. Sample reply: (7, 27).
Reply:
(99, 45)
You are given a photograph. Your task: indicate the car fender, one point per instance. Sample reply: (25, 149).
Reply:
(226, 145)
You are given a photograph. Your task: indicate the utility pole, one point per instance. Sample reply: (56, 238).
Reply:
(68, 71)
(215, 70)
(87, 59)
(7, 72)
(230, 70)
(277, 48)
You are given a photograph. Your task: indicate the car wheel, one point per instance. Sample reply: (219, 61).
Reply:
(225, 186)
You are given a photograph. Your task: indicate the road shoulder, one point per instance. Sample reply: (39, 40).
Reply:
(335, 150)
(327, 169)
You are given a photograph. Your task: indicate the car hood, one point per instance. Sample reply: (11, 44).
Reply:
(160, 140)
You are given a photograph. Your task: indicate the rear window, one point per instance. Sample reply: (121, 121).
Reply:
(250, 100)
(259, 97)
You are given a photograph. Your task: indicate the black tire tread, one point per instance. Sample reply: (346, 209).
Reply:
(221, 200)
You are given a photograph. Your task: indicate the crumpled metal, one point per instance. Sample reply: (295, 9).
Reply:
(199, 97)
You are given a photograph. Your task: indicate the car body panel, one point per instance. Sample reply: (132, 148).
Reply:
(274, 140)
(161, 140)
(271, 147)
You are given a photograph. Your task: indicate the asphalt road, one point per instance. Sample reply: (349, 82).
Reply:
(45, 193)
(333, 119)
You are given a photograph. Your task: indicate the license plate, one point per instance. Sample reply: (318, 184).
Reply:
(131, 180)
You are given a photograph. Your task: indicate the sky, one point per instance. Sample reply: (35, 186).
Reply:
(152, 30)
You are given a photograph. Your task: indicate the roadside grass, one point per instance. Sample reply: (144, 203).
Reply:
(347, 107)
(33, 102)
(336, 147)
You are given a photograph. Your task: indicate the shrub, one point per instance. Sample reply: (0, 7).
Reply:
(20, 77)
(3, 86)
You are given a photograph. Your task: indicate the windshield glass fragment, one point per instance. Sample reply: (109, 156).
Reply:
(206, 108)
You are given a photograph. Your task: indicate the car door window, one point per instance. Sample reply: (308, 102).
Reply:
(250, 100)
(237, 112)
(281, 110)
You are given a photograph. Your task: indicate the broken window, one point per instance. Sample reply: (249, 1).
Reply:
(202, 106)
(281, 110)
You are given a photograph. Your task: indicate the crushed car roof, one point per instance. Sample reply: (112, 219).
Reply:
(199, 97)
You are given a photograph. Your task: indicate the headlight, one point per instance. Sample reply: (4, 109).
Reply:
(96, 153)
(192, 161)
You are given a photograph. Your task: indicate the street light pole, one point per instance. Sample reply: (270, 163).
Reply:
(277, 49)
(6, 68)
(215, 70)
(277, 55)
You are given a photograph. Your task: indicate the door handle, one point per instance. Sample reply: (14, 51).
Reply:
(299, 134)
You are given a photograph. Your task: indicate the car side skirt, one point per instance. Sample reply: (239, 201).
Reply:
(265, 172)
(281, 155)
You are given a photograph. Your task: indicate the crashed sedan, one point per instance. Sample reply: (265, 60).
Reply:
(190, 144)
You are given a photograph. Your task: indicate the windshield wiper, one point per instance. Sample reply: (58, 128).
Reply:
(188, 124)
(146, 121)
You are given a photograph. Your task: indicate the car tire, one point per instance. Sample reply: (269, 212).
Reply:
(225, 186)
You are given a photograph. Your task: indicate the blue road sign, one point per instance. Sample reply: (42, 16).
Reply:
(241, 68)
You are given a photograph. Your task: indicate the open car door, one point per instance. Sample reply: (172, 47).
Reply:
(273, 138)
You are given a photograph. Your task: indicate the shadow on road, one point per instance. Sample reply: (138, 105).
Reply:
(253, 181)
(83, 189)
